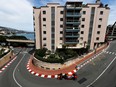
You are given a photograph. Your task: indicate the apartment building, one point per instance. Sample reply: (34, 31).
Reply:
(74, 24)
(111, 31)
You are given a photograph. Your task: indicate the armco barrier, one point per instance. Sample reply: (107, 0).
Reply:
(45, 65)
(6, 58)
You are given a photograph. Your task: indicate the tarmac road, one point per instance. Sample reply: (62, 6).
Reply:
(16, 75)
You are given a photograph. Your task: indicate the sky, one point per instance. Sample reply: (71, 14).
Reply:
(18, 14)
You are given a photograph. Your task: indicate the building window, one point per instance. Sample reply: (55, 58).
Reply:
(33, 18)
(44, 44)
(61, 26)
(82, 32)
(81, 44)
(81, 38)
(44, 32)
(44, 38)
(97, 38)
(53, 36)
(101, 12)
(53, 47)
(44, 12)
(82, 26)
(61, 12)
(83, 19)
(84, 12)
(60, 38)
(53, 41)
(61, 19)
(44, 25)
(53, 29)
(100, 19)
(61, 32)
(44, 19)
(98, 32)
(99, 26)
(33, 23)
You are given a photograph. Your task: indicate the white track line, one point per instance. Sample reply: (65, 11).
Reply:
(15, 71)
(102, 73)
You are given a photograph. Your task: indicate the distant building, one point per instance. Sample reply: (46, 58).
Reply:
(74, 24)
(2, 32)
(111, 31)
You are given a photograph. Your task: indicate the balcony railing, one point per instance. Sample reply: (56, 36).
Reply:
(71, 42)
(72, 27)
(72, 35)
(74, 22)
(73, 15)
(68, 20)
(73, 7)
(72, 30)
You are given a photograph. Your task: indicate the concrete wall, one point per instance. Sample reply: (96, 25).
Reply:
(6, 58)
(45, 65)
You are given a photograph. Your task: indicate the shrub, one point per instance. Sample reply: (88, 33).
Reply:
(51, 59)
(60, 56)
(2, 39)
(41, 52)
(66, 53)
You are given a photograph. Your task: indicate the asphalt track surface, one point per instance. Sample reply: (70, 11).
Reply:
(17, 75)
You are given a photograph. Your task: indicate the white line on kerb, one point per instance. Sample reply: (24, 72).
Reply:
(15, 70)
(102, 73)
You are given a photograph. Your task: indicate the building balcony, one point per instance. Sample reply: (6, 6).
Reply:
(73, 22)
(71, 42)
(73, 7)
(72, 35)
(72, 30)
(73, 15)
(78, 8)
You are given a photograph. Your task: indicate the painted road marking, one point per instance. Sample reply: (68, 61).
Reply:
(15, 71)
(36, 74)
(32, 72)
(49, 76)
(74, 70)
(56, 76)
(42, 75)
(107, 52)
(78, 68)
(102, 73)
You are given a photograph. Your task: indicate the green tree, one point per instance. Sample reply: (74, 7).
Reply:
(2, 39)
